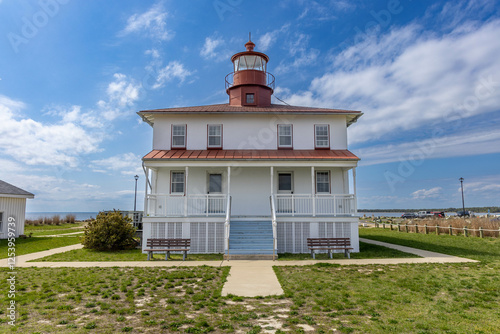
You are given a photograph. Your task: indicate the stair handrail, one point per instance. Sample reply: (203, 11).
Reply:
(274, 224)
(227, 224)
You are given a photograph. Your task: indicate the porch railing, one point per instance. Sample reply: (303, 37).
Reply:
(315, 205)
(227, 226)
(275, 226)
(162, 205)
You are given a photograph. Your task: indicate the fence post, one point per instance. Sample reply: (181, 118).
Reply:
(465, 231)
(383, 225)
(426, 230)
(450, 229)
(416, 228)
(390, 225)
(437, 229)
(481, 235)
(406, 227)
(399, 227)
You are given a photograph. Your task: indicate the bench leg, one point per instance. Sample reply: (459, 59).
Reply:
(330, 252)
(347, 253)
(313, 254)
(184, 256)
(167, 255)
(149, 255)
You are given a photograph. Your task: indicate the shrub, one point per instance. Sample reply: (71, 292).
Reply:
(70, 219)
(109, 231)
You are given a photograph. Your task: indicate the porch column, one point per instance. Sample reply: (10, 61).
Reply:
(186, 174)
(146, 207)
(228, 182)
(354, 190)
(313, 190)
(272, 181)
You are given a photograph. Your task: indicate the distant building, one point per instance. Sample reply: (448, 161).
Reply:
(250, 177)
(12, 209)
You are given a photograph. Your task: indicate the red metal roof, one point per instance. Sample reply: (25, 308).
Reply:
(250, 109)
(250, 155)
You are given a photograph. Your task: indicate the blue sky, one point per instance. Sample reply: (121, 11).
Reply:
(426, 74)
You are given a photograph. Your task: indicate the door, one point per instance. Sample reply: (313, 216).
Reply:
(285, 190)
(215, 202)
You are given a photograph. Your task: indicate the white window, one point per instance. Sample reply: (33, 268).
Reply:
(215, 135)
(285, 135)
(285, 183)
(215, 183)
(177, 181)
(321, 136)
(179, 136)
(323, 182)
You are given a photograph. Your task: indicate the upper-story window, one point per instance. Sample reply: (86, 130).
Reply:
(214, 136)
(179, 136)
(322, 136)
(285, 135)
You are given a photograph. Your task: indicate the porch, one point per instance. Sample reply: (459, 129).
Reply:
(286, 205)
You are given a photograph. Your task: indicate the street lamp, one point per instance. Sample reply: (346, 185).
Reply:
(462, 186)
(135, 196)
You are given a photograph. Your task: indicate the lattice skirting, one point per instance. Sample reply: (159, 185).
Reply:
(205, 237)
(292, 236)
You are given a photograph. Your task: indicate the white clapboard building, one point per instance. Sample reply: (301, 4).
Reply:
(12, 210)
(250, 177)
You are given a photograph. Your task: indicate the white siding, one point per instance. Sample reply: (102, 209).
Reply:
(12, 207)
(249, 131)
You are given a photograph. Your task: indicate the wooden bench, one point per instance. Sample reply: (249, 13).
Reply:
(167, 245)
(329, 244)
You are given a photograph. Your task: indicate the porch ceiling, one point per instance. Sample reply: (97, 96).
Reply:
(254, 155)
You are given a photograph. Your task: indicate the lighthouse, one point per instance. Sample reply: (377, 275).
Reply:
(250, 84)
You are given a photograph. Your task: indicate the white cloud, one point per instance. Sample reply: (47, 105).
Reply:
(300, 54)
(159, 75)
(402, 81)
(151, 23)
(465, 143)
(76, 133)
(269, 38)
(122, 93)
(427, 193)
(126, 164)
(35, 143)
(212, 49)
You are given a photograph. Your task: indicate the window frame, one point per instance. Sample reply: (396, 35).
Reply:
(209, 147)
(329, 182)
(172, 182)
(221, 183)
(178, 147)
(285, 147)
(316, 137)
(291, 183)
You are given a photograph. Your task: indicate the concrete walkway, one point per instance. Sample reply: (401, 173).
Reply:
(246, 278)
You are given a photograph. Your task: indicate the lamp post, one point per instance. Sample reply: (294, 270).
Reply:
(135, 196)
(462, 186)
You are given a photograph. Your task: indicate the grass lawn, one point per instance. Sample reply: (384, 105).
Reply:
(487, 249)
(32, 245)
(322, 298)
(367, 252)
(126, 255)
(41, 230)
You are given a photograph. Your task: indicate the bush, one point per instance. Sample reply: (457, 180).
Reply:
(109, 231)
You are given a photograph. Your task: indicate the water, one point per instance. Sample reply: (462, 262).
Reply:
(78, 215)
(398, 214)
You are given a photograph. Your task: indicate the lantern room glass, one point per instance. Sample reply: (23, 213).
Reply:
(250, 62)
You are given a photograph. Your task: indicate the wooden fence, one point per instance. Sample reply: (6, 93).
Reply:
(426, 229)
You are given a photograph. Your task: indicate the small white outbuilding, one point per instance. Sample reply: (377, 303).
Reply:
(12, 209)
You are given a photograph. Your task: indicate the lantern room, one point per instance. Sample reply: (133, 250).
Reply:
(250, 84)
